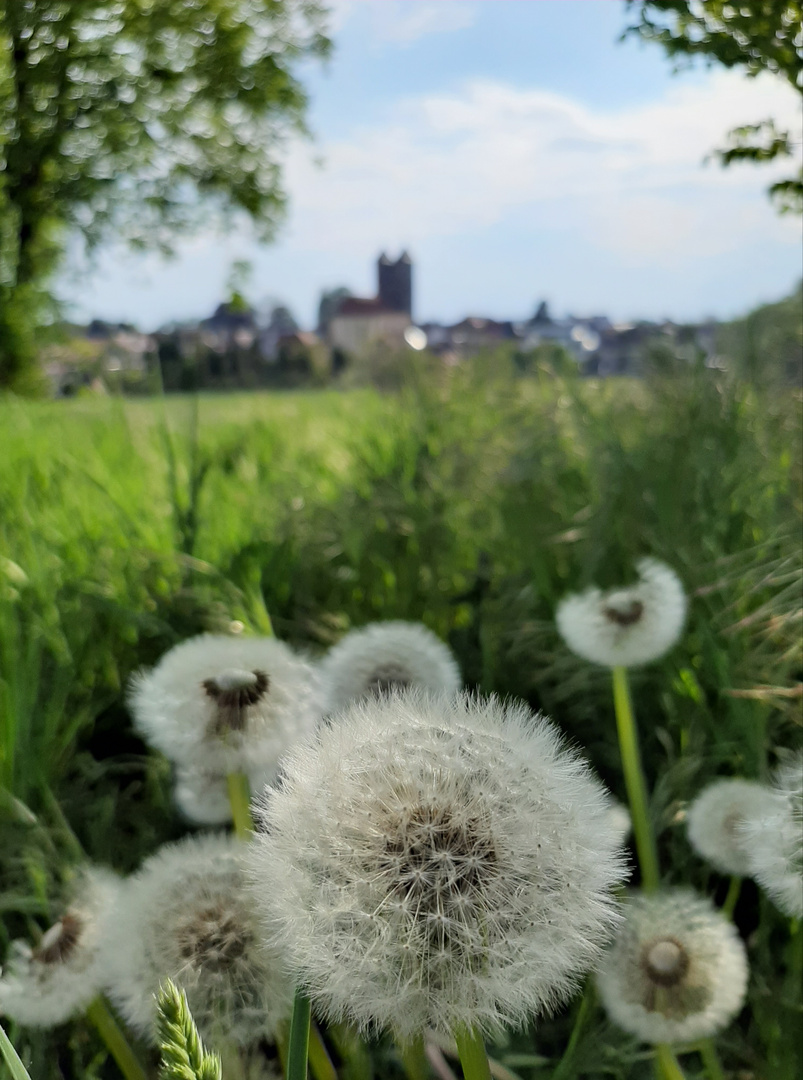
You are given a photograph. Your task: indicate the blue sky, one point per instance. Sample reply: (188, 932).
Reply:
(519, 152)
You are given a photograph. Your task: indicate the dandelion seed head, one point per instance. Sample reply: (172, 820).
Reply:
(628, 626)
(384, 656)
(186, 915)
(713, 822)
(676, 971)
(226, 704)
(56, 979)
(436, 861)
(773, 839)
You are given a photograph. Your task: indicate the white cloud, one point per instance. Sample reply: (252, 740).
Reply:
(404, 23)
(401, 23)
(631, 179)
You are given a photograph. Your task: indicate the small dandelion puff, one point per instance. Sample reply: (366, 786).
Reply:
(186, 916)
(628, 626)
(202, 795)
(46, 984)
(774, 840)
(384, 656)
(226, 704)
(713, 822)
(677, 970)
(436, 862)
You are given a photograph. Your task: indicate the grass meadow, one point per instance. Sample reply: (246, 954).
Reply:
(472, 499)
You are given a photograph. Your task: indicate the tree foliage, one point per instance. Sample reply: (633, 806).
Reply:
(759, 36)
(143, 116)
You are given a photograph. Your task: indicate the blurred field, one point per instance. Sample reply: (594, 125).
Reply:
(472, 500)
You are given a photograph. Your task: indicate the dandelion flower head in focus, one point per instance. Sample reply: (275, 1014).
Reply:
(774, 840)
(677, 970)
(388, 655)
(627, 626)
(713, 821)
(436, 862)
(186, 915)
(58, 978)
(226, 704)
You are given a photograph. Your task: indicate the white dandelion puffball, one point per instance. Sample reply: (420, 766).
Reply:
(202, 795)
(383, 656)
(186, 915)
(677, 970)
(436, 862)
(58, 978)
(713, 821)
(226, 704)
(628, 626)
(774, 840)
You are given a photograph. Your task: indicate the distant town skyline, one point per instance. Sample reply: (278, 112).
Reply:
(518, 153)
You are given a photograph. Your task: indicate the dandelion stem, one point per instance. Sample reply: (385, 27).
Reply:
(414, 1059)
(667, 1063)
(298, 1047)
(579, 1023)
(634, 781)
(708, 1052)
(99, 1013)
(240, 800)
(733, 895)
(471, 1051)
(319, 1061)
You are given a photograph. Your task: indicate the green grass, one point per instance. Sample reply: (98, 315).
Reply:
(472, 500)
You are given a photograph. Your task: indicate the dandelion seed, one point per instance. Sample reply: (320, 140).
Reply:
(226, 705)
(714, 819)
(677, 970)
(436, 862)
(58, 978)
(385, 656)
(628, 626)
(773, 840)
(187, 916)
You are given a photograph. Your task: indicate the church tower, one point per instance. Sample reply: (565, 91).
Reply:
(396, 283)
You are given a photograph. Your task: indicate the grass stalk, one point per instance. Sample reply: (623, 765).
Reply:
(565, 1063)
(708, 1052)
(240, 800)
(668, 1065)
(12, 1059)
(414, 1059)
(634, 781)
(319, 1061)
(732, 897)
(183, 1054)
(298, 1046)
(471, 1051)
(101, 1016)
(356, 1061)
